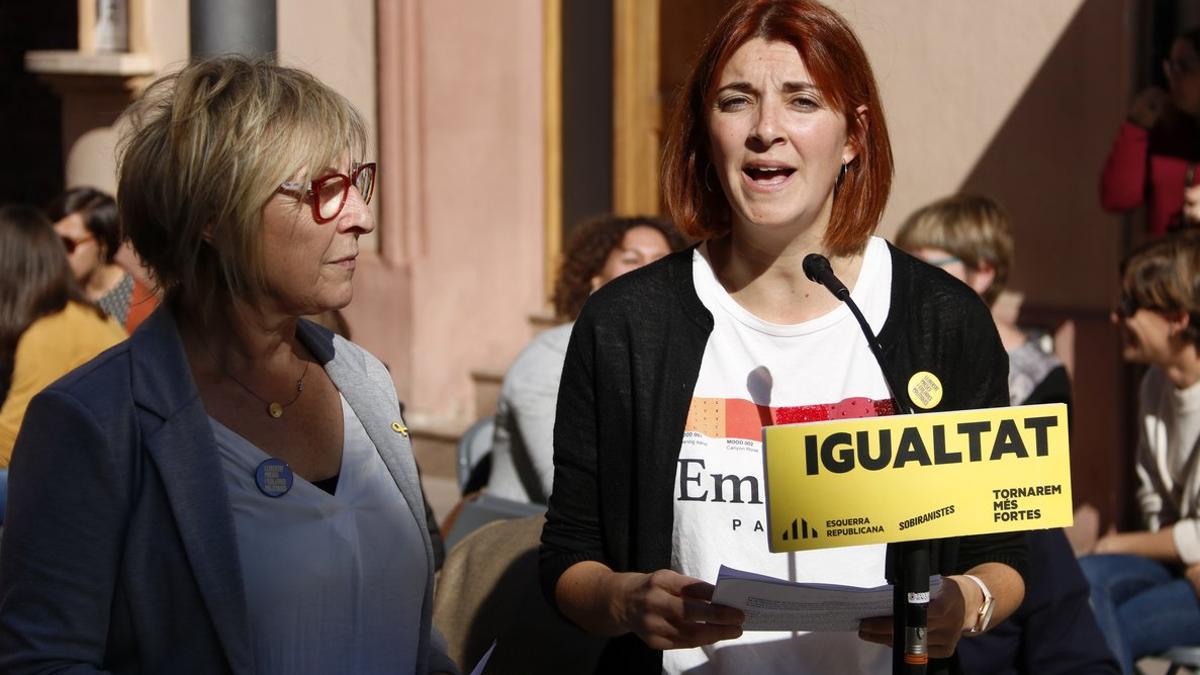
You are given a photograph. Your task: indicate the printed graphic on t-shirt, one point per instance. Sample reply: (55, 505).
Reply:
(721, 518)
(720, 461)
(739, 418)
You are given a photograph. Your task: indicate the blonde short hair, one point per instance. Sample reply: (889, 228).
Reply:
(203, 152)
(972, 228)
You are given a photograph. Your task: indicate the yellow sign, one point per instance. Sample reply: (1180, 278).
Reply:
(906, 477)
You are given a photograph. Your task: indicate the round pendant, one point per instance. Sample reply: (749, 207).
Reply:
(275, 410)
(273, 477)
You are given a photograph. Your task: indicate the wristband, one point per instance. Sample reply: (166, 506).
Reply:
(984, 617)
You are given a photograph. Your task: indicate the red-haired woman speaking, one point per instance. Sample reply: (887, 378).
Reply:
(778, 149)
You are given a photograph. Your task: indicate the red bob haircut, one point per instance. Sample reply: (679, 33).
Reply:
(836, 60)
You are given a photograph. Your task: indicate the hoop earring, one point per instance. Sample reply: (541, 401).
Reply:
(707, 166)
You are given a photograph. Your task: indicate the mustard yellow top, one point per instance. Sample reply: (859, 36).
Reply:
(51, 347)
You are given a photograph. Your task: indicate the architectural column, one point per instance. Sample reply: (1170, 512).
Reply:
(246, 27)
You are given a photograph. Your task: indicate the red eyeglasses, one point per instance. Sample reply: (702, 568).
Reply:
(327, 194)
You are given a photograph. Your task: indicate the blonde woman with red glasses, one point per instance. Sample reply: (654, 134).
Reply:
(232, 489)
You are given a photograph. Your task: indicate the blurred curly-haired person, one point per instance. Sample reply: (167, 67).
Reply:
(599, 251)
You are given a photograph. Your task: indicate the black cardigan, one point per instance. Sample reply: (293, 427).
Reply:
(627, 383)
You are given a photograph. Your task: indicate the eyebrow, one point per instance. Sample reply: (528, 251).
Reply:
(788, 87)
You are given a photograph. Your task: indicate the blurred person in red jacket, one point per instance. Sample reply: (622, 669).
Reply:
(1154, 157)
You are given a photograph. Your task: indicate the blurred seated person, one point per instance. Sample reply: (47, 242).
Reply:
(1053, 631)
(968, 236)
(47, 327)
(1154, 156)
(1145, 583)
(523, 445)
(86, 219)
(490, 577)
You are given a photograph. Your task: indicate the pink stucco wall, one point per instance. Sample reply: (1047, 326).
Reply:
(462, 233)
(455, 89)
(1016, 100)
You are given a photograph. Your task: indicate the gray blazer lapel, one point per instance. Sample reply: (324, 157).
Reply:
(372, 396)
(184, 451)
(368, 389)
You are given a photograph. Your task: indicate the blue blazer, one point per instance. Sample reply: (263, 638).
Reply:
(119, 551)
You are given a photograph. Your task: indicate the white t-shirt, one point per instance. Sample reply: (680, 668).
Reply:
(755, 374)
(334, 582)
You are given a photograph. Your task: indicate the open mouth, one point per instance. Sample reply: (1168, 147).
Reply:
(768, 175)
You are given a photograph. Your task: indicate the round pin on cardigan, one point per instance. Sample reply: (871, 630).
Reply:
(924, 390)
(273, 477)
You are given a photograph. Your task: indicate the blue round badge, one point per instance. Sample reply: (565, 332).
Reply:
(274, 477)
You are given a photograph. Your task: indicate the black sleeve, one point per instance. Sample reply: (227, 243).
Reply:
(1054, 388)
(980, 367)
(572, 532)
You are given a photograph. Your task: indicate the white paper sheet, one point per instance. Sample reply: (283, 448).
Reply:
(778, 604)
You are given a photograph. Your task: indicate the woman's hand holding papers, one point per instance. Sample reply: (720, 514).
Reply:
(955, 608)
(665, 609)
(671, 611)
(947, 618)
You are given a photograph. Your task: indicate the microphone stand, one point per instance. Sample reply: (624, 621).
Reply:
(907, 562)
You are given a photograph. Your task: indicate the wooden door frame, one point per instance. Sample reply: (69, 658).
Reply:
(636, 115)
(636, 107)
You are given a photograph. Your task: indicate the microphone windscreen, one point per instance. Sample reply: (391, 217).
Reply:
(814, 264)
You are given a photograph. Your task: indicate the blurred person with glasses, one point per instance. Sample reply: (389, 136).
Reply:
(1153, 160)
(1146, 583)
(233, 488)
(968, 236)
(86, 220)
(1053, 632)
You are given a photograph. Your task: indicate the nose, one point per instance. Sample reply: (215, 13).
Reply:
(766, 125)
(356, 216)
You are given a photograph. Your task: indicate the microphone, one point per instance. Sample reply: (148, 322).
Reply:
(911, 594)
(818, 270)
